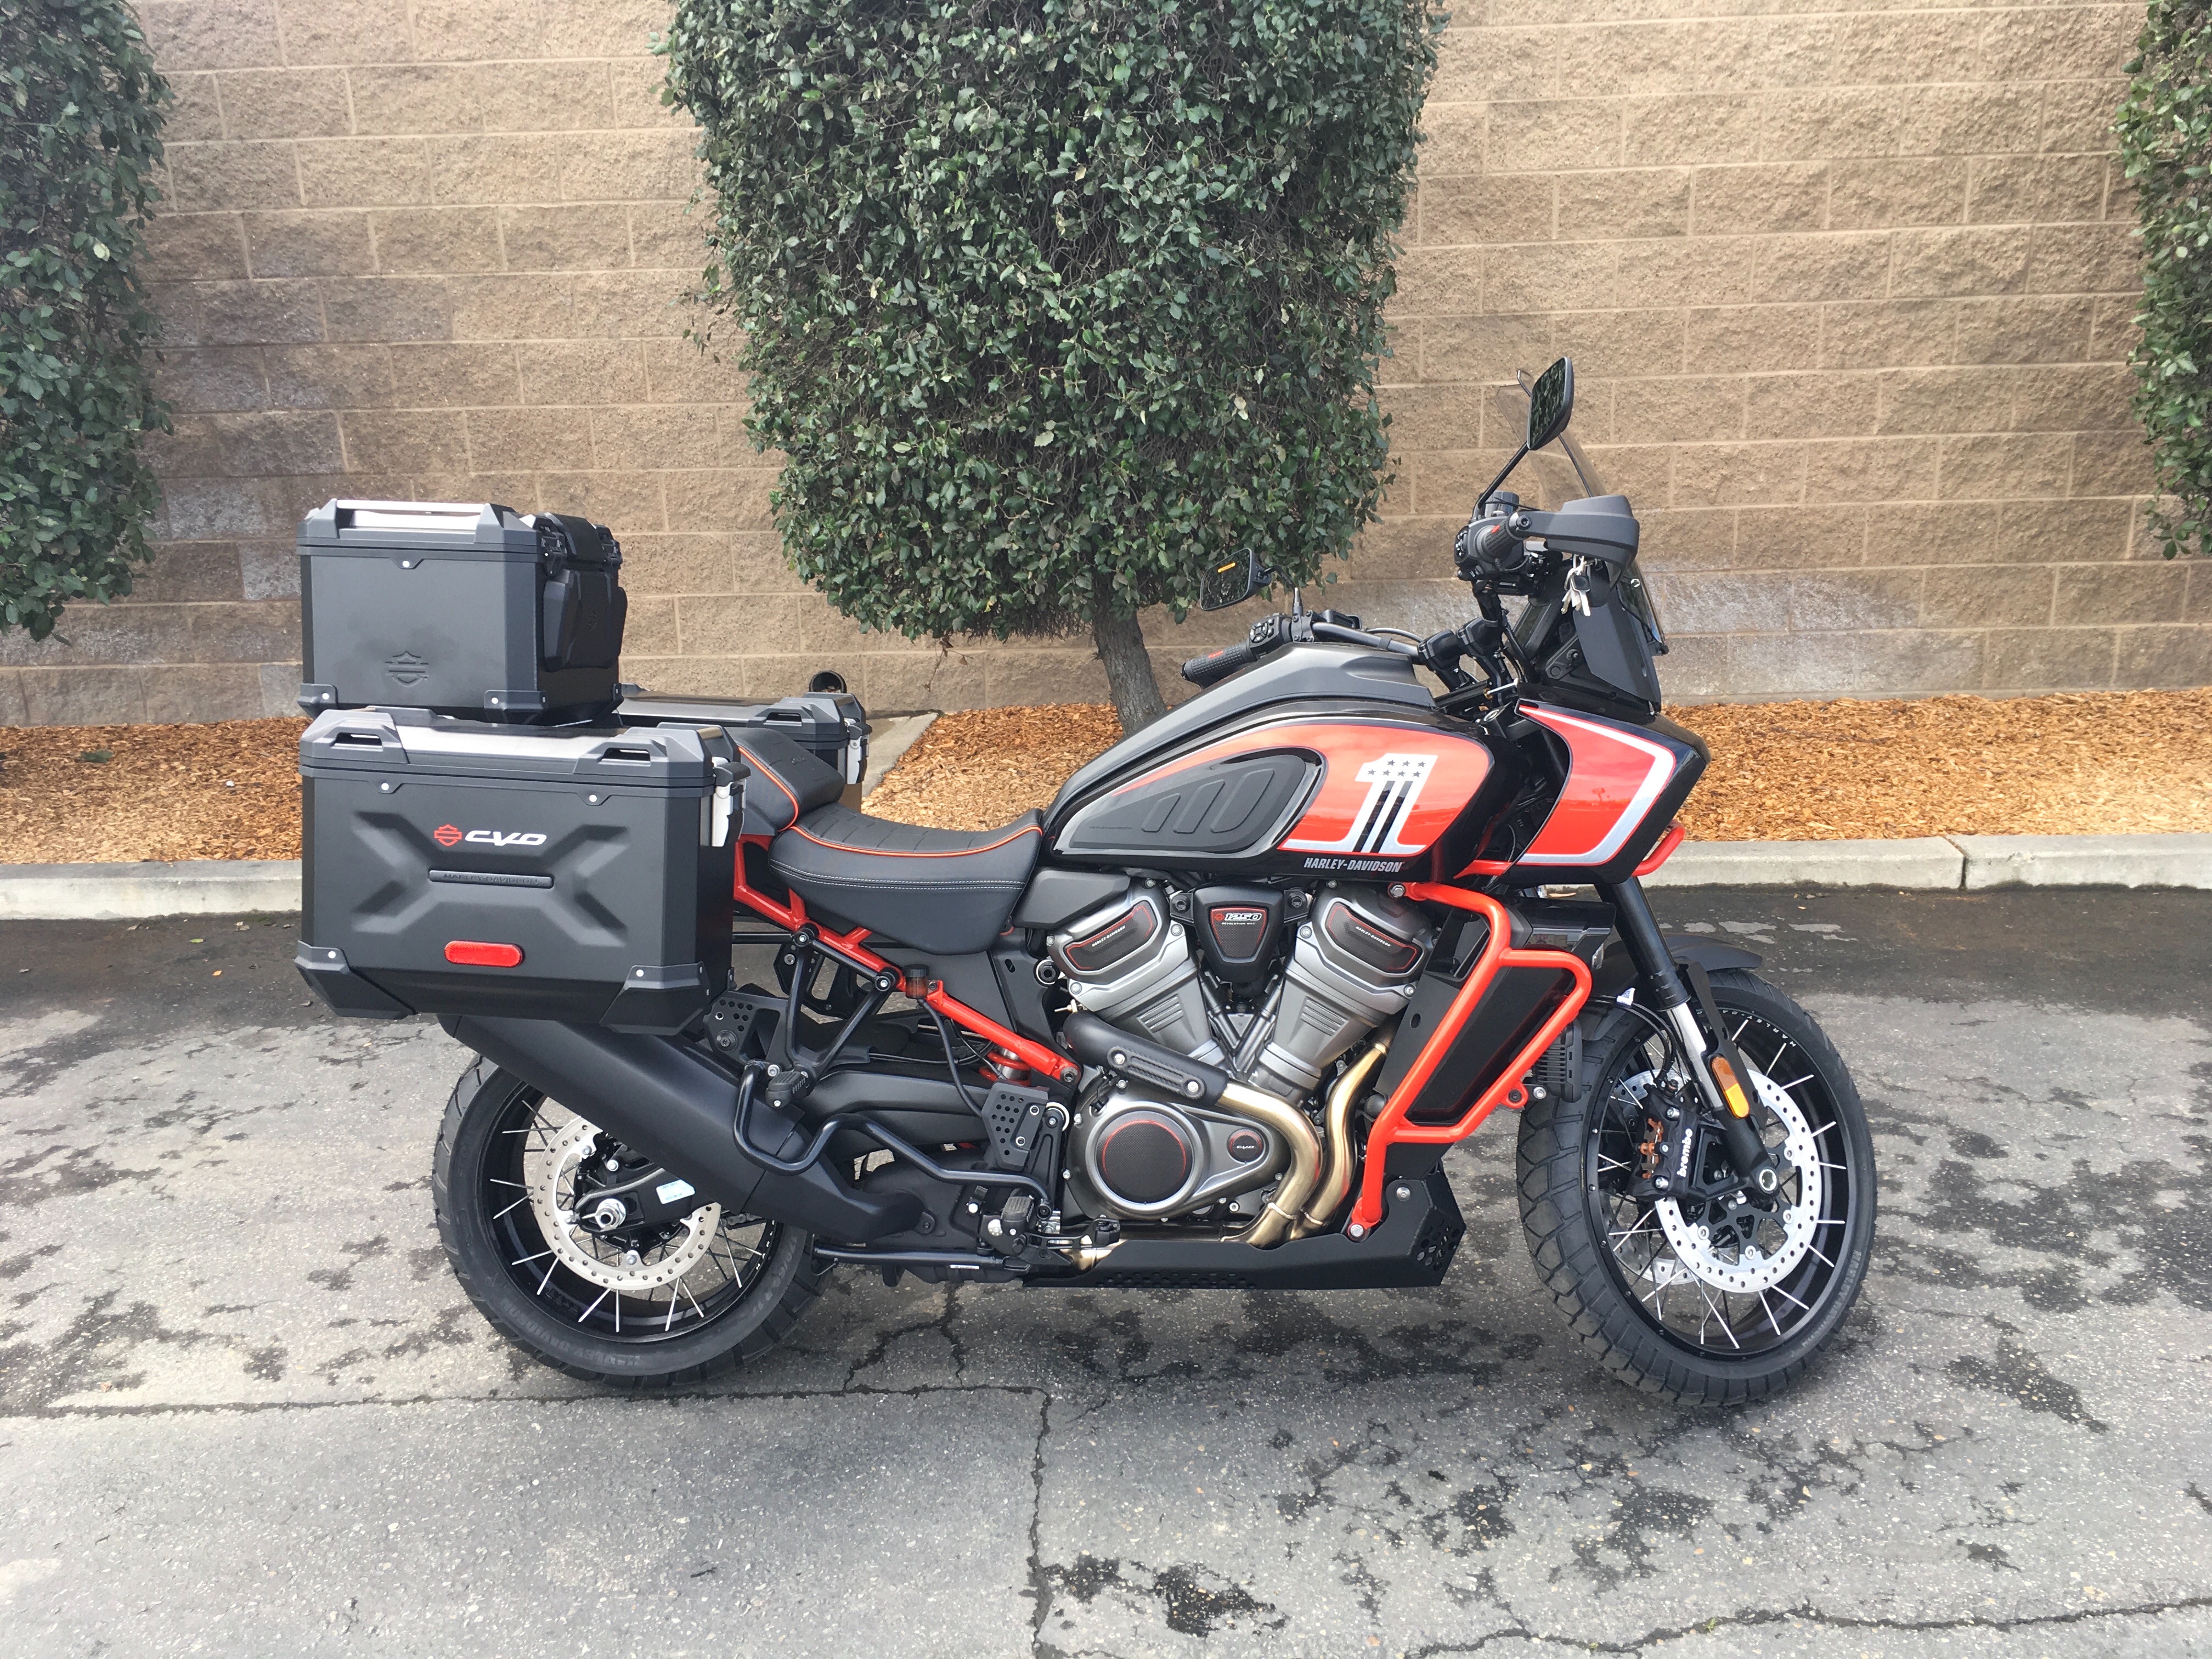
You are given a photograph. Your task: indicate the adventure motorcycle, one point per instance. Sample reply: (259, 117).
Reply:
(1211, 1019)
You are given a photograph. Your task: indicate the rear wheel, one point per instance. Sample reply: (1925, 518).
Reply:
(1708, 1294)
(663, 1304)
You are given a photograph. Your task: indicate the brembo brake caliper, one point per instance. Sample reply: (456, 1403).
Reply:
(1667, 1157)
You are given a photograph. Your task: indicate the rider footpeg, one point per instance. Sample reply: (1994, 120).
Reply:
(1008, 1232)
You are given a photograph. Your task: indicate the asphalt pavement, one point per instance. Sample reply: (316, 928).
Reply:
(244, 1409)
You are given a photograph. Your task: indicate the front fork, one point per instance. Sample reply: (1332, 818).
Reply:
(1675, 998)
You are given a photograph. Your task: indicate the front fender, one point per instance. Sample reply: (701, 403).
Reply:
(1603, 1015)
(1616, 973)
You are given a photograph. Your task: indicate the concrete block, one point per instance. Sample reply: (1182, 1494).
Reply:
(110, 892)
(1926, 861)
(2087, 860)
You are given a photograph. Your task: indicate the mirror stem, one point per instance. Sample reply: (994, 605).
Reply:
(1483, 500)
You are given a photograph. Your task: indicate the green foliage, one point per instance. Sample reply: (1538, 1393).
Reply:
(80, 122)
(2165, 141)
(1044, 301)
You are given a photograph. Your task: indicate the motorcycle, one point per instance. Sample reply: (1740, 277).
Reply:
(1212, 1018)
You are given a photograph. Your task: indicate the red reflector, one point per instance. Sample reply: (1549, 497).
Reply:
(475, 953)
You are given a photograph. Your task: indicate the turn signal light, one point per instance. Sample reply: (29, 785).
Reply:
(1731, 1091)
(475, 953)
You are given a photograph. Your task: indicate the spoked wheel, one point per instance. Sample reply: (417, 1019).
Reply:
(1707, 1290)
(662, 1302)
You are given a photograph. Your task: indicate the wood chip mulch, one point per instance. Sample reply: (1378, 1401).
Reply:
(2079, 763)
(99, 794)
(974, 770)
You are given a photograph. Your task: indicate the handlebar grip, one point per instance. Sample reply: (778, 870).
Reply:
(1218, 665)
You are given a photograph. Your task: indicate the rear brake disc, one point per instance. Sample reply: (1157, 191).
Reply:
(607, 1261)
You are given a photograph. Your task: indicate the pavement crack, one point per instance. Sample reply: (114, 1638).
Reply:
(1757, 1618)
(1040, 1585)
(535, 1403)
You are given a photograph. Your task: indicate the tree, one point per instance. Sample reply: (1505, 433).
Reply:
(80, 111)
(1045, 302)
(2166, 143)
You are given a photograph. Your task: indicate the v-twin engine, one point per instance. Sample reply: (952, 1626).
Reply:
(1355, 956)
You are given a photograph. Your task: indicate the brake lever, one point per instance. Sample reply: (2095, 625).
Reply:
(1360, 636)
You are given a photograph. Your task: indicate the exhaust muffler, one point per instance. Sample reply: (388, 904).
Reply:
(655, 1094)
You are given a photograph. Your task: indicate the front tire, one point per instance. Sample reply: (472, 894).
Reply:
(648, 1308)
(1756, 1296)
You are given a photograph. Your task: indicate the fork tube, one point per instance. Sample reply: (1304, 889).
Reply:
(1660, 982)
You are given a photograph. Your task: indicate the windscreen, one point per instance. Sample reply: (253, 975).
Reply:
(1634, 597)
(1555, 483)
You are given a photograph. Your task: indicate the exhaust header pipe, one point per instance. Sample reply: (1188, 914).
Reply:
(655, 1094)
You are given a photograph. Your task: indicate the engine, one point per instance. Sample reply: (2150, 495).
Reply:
(1272, 985)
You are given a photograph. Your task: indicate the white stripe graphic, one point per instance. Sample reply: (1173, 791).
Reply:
(1660, 768)
(1393, 784)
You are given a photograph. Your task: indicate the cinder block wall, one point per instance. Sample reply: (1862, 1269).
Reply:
(1849, 292)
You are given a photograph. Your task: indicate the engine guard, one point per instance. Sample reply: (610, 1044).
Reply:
(1412, 1245)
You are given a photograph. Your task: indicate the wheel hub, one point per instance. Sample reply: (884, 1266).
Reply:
(1744, 1244)
(628, 1269)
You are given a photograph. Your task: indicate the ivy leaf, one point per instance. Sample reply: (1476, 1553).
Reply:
(1112, 272)
(76, 162)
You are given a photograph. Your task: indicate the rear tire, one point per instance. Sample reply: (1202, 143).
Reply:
(486, 1220)
(1575, 1211)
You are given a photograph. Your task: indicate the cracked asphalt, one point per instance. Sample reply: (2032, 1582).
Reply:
(244, 1409)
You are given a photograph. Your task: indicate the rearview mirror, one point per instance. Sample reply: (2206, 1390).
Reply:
(1231, 579)
(1551, 403)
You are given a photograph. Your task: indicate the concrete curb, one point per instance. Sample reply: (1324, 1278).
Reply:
(109, 892)
(888, 744)
(127, 892)
(2176, 861)
(1945, 863)
(1927, 861)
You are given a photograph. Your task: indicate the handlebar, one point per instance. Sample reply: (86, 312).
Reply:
(1220, 665)
(1344, 636)
(1440, 653)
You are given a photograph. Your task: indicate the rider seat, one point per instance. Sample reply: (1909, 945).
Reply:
(937, 890)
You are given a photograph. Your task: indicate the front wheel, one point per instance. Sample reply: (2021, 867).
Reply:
(1708, 1292)
(657, 1305)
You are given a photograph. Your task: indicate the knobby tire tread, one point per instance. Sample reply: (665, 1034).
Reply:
(805, 1287)
(1568, 1256)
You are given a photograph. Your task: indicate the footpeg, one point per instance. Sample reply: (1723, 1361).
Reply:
(1008, 1232)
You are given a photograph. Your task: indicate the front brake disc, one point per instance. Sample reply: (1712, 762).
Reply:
(1765, 1246)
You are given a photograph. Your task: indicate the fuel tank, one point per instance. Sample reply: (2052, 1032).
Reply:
(1322, 785)
(1298, 673)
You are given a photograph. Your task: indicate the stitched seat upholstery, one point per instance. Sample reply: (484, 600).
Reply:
(937, 890)
(786, 781)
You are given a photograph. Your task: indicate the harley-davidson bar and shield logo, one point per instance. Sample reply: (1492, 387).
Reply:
(1393, 785)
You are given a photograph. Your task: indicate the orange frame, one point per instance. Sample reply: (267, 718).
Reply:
(792, 917)
(1663, 852)
(1391, 1127)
